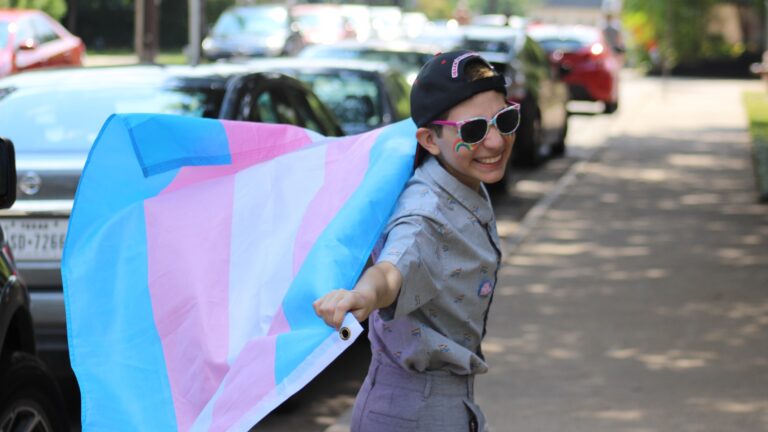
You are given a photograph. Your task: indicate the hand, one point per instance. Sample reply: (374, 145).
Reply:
(333, 306)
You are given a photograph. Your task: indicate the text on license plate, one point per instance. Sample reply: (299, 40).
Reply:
(35, 239)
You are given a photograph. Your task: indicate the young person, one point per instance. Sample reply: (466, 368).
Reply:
(429, 292)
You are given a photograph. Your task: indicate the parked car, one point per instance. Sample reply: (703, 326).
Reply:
(593, 65)
(30, 399)
(30, 39)
(534, 82)
(364, 95)
(53, 118)
(404, 56)
(253, 31)
(323, 23)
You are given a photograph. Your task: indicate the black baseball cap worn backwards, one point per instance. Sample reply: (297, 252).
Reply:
(442, 84)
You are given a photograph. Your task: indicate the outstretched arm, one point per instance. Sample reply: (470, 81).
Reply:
(377, 288)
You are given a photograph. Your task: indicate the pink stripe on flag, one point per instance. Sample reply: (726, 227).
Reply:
(249, 144)
(188, 247)
(252, 376)
(346, 163)
(279, 323)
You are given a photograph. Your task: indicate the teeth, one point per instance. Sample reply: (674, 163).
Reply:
(489, 160)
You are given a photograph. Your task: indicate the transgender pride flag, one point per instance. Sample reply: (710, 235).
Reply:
(195, 250)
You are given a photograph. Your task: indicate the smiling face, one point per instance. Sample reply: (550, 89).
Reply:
(484, 162)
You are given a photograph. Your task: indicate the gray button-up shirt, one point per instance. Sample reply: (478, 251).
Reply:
(442, 237)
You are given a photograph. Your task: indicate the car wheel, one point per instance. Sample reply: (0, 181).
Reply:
(527, 149)
(611, 107)
(30, 400)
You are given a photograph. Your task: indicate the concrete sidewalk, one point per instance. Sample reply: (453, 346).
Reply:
(639, 302)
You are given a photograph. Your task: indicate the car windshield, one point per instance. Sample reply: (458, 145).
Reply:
(69, 119)
(4, 33)
(352, 96)
(251, 20)
(489, 45)
(564, 40)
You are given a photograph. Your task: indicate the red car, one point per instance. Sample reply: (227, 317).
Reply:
(31, 39)
(592, 64)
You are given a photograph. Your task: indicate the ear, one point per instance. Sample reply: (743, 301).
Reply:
(428, 140)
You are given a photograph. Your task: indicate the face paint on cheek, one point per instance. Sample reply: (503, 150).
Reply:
(459, 144)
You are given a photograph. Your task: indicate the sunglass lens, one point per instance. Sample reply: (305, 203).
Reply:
(508, 120)
(474, 131)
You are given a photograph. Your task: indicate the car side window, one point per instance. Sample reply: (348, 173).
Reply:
(285, 111)
(264, 108)
(398, 87)
(43, 30)
(327, 123)
(24, 32)
(311, 112)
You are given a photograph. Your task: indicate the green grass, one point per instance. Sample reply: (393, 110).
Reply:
(756, 104)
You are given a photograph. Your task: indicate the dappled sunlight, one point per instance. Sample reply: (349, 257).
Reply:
(650, 175)
(630, 415)
(563, 234)
(731, 406)
(739, 257)
(532, 187)
(648, 274)
(749, 322)
(533, 345)
(541, 248)
(568, 249)
(707, 161)
(676, 360)
(506, 228)
(701, 199)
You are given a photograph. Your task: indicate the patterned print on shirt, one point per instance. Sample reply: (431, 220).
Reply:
(485, 288)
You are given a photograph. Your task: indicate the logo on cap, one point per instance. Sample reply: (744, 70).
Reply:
(455, 67)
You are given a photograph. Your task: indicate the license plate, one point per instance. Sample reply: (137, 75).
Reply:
(35, 239)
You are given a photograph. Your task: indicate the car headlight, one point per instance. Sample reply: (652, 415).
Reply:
(208, 44)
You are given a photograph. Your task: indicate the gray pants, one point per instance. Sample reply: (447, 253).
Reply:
(393, 399)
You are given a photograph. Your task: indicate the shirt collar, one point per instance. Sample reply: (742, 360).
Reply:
(479, 204)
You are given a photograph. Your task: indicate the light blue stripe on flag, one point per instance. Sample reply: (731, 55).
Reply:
(123, 384)
(338, 256)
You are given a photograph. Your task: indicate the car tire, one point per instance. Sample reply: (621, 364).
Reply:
(527, 149)
(29, 396)
(611, 107)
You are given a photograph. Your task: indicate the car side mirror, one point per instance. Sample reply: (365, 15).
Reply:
(7, 173)
(28, 44)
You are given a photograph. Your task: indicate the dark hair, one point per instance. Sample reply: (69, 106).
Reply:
(475, 69)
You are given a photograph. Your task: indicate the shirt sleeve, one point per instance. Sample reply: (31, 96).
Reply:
(412, 245)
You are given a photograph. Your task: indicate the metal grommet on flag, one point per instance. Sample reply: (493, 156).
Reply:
(345, 333)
